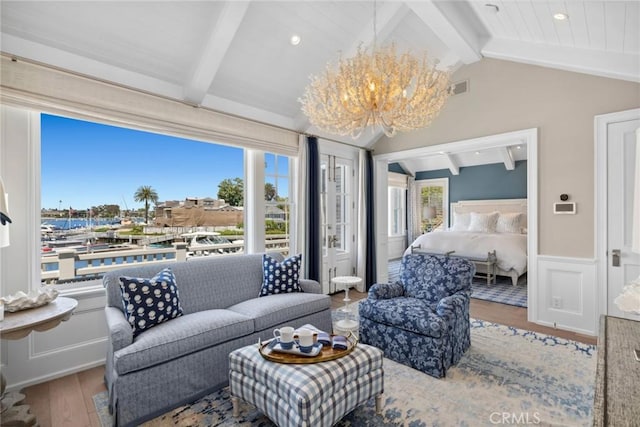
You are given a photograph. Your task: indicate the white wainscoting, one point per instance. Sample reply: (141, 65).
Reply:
(572, 283)
(75, 345)
(397, 245)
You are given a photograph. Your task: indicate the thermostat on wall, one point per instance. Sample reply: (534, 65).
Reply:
(564, 208)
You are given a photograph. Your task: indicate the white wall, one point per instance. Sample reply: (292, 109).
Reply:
(76, 344)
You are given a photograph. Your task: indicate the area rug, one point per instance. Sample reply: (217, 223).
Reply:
(502, 291)
(508, 376)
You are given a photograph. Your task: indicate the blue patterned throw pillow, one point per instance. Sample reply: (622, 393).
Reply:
(280, 277)
(149, 302)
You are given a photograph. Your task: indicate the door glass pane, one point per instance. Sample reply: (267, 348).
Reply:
(277, 203)
(432, 207)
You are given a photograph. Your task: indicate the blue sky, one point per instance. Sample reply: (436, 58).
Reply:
(88, 164)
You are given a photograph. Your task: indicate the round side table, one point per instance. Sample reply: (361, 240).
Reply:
(18, 325)
(346, 319)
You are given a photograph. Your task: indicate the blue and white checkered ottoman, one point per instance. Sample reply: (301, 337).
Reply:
(310, 395)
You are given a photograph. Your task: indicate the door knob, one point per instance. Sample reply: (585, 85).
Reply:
(615, 257)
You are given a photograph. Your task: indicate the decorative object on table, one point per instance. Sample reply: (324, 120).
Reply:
(376, 88)
(36, 298)
(272, 351)
(312, 351)
(284, 337)
(306, 340)
(429, 213)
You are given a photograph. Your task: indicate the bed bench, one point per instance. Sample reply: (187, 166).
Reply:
(485, 267)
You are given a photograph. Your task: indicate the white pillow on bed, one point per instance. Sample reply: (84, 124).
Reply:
(460, 221)
(509, 223)
(483, 222)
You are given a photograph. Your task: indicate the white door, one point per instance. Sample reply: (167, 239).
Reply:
(623, 265)
(337, 203)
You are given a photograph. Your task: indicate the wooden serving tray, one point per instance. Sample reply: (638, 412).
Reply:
(326, 354)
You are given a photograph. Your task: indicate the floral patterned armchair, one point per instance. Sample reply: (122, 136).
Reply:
(423, 320)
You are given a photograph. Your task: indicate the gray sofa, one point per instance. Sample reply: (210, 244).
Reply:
(178, 361)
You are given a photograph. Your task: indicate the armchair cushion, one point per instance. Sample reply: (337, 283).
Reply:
(410, 314)
(433, 277)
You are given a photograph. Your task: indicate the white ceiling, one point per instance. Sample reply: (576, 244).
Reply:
(235, 57)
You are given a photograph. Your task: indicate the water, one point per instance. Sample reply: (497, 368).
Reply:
(73, 223)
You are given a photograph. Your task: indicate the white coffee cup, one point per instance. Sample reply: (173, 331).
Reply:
(285, 334)
(305, 338)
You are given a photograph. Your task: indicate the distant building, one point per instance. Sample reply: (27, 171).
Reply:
(198, 212)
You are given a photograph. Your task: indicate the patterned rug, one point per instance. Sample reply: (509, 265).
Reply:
(502, 291)
(508, 376)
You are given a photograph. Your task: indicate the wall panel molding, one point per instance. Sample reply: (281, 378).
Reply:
(566, 294)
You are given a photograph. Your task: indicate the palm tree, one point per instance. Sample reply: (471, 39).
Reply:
(146, 194)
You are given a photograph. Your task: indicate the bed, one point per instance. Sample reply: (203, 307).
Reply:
(480, 230)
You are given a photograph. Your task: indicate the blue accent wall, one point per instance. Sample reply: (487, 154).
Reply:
(483, 182)
(395, 167)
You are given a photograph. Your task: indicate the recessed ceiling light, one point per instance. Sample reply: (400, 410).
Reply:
(477, 153)
(295, 40)
(519, 147)
(560, 16)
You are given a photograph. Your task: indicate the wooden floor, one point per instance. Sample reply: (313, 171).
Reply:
(68, 401)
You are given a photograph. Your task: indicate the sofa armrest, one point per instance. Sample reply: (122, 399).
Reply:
(310, 286)
(120, 331)
(386, 290)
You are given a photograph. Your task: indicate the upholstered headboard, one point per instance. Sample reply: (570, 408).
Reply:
(496, 205)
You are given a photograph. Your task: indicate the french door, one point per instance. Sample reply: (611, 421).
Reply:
(337, 216)
(623, 265)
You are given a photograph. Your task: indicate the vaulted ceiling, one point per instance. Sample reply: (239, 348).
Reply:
(236, 57)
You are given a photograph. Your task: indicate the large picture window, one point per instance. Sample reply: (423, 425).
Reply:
(112, 195)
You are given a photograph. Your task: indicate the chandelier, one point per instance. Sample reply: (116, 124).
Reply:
(377, 88)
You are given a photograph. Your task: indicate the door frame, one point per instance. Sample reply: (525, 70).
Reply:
(525, 136)
(601, 124)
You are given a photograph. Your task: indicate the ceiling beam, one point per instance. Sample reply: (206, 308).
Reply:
(616, 65)
(206, 67)
(448, 30)
(507, 158)
(451, 162)
(405, 166)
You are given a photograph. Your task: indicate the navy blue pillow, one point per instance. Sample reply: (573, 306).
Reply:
(280, 277)
(149, 302)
